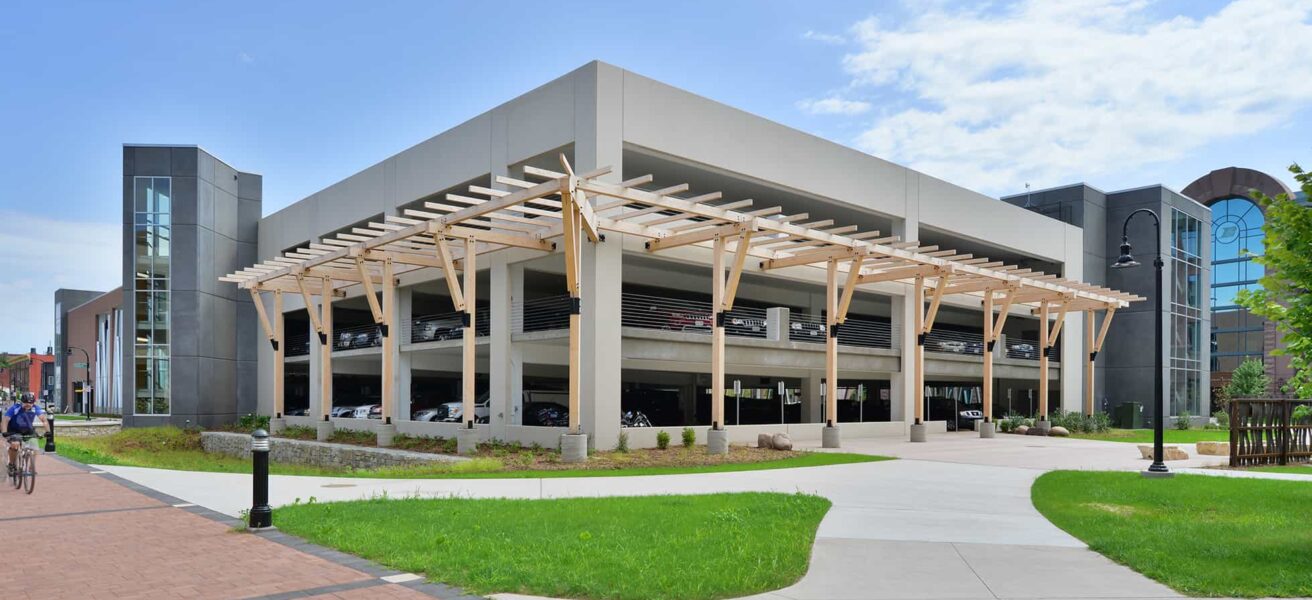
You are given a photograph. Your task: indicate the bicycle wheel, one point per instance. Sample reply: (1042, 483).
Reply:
(29, 472)
(16, 479)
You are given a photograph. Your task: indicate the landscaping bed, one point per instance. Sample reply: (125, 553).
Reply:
(675, 547)
(1200, 535)
(173, 448)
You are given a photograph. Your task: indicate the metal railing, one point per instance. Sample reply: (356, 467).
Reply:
(446, 326)
(1028, 350)
(540, 314)
(803, 327)
(690, 316)
(955, 342)
(298, 345)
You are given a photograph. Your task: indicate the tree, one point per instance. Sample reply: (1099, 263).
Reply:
(1285, 297)
(1249, 380)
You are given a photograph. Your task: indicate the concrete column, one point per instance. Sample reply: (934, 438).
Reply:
(506, 368)
(903, 310)
(776, 324)
(316, 366)
(812, 407)
(404, 312)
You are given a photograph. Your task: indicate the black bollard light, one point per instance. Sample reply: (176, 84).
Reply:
(261, 515)
(50, 431)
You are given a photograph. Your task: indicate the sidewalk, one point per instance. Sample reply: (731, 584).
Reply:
(95, 536)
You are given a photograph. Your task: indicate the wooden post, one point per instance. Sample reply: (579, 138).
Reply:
(831, 344)
(326, 349)
(990, 336)
(1091, 355)
(468, 368)
(570, 229)
(389, 331)
(918, 360)
(1043, 360)
(279, 355)
(717, 336)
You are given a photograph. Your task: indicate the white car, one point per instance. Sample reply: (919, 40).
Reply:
(455, 411)
(362, 411)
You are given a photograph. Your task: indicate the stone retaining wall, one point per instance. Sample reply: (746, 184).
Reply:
(320, 454)
(83, 429)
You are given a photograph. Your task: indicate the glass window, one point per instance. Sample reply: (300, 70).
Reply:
(152, 259)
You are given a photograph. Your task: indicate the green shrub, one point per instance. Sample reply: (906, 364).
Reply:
(663, 440)
(1222, 419)
(251, 422)
(622, 446)
(689, 437)
(1302, 414)
(1099, 423)
(1012, 421)
(1182, 420)
(1004, 426)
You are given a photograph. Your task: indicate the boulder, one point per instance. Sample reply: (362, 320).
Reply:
(1036, 431)
(781, 441)
(1214, 448)
(1021, 429)
(1168, 452)
(764, 440)
(1059, 431)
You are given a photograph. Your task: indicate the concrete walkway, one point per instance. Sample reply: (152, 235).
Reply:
(952, 520)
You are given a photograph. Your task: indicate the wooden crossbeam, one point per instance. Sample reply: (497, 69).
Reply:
(897, 274)
(694, 237)
(849, 289)
(264, 316)
(935, 301)
(369, 291)
(449, 272)
(736, 270)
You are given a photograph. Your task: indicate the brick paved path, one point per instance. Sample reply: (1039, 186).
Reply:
(93, 536)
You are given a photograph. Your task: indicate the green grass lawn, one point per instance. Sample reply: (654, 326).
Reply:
(1299, 469)
(1200, 535)
(172, 448)
(1170, 436)
(676, 547)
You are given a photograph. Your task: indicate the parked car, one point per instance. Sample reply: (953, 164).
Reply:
(806, 330)
(436, 330)
(1023, 351)
(376, 411)
(689, 320)
(546, 414)
(362, 411)
(430, 414)
(297, 412)
(745, 326)
(967, 419)
(455, 411)
(342, 412)
(952, 346)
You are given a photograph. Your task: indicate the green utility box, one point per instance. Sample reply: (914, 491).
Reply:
(1129, 415)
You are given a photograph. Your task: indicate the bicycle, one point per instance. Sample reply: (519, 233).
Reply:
(24, 475)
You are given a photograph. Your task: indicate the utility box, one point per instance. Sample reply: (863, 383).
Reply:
(1129, 415)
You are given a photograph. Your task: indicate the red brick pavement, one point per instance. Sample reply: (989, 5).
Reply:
(93, 538)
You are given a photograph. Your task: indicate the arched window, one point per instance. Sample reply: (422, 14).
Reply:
(1236, 240)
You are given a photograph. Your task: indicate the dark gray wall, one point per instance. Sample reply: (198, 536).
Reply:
(215, 216)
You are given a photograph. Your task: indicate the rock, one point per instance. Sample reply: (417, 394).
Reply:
(1214, 448)
(1021, 429)
(1059, 431)
(781, 441)
(764, 440)
(1168, 452)
(1036, 431)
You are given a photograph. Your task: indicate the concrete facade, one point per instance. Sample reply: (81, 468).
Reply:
(1124, 369)
(600, 115)
(212, 220)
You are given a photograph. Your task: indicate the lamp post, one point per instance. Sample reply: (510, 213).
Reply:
(86, 367)
(1126, 260)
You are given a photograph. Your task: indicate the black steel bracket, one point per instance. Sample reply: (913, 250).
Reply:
(575, 305)
(323, 338)
(720, 319)
(466, 319)
(833, 330)
(274, 343)
(382, 330)
(992, 343)
(920, 339)
(1093, 355)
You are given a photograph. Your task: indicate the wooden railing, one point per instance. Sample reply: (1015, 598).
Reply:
(1264, 431)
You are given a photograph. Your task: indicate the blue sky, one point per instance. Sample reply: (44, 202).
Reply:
(990, 96)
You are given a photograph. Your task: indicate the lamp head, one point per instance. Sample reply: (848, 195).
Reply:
(1126, 260)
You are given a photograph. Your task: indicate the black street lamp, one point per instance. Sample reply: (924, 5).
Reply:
(1126, 260)
(86, 366)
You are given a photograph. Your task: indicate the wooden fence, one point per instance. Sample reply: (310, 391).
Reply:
(1263, 431)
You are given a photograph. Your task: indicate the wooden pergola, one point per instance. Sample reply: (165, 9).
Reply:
(450, 234)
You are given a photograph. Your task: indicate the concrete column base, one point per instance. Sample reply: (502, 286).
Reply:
(1157, 474)
(986, 430)
(1044, 426)
(918, 432)
(323, 430)
(829, 437)
(385, 431)
(466, 440)
(277, 425)
(717, 441)
(574, 447)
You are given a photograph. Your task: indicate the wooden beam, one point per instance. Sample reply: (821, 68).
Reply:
(369, 291)
(918, 353)
(1106, 326)
(264, 316)
(717, 335)
(849, 289)
(736, 270)
(1061, 320)
(1007, 301)
(935, 301)
(987, 354)
(898, 274)
(449, 272)
(811, 257)
(1043, 360)
(326, 352)
(693, 237)
(389, 333)
(309, 304)
(831, 343)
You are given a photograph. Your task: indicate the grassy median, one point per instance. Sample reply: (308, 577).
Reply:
(173, 448)
(676, 547)
(1169, 436)
(1200, 535)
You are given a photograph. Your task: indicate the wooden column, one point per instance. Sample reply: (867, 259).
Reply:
(573, 264)
(1043, 360)
(389, 331)
(990, 336)
(468, 368)
(279, 356)
(326, 349)
(831, 344)
(1090, 356)
(717, 335)
(918, 354)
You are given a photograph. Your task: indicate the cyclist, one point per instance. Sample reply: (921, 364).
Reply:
(17, 422)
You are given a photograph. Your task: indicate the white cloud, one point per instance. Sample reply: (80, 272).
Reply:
(833, 106)
(826, 38)
(1053, 92)
(41, 255)
(246, 58)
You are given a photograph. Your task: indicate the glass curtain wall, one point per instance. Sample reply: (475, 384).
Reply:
(1236, 240)
(1186, 314)
(151, 226)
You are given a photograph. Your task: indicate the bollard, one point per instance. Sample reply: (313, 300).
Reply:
(261, 515)
(50, 434)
